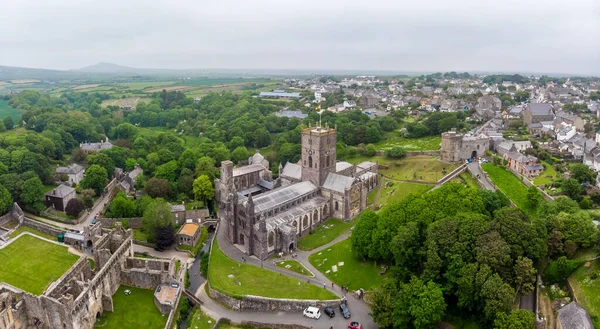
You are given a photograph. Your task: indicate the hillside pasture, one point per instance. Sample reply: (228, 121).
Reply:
(8, 111)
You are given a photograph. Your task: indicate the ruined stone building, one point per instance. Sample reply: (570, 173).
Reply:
(82, 294)
(264, 216)
(457, 147)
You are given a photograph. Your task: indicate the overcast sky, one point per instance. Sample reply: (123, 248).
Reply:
(553, 36)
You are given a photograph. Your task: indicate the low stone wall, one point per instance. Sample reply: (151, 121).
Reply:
(264, 304)
(133, 222)
(61, 219)
(529, 183)
(44, 228)
(274, 325)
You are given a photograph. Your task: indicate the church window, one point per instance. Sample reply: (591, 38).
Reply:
(271, 239)
(337, 206)
(328, 162)
(305, 221)
(310, 161)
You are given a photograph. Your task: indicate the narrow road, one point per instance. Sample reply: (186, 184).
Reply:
(169, 253)
(527, 302)
(196, 280)
(475, 170)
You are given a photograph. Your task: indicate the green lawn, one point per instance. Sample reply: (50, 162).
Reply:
(510, 185)
(139, 235)
(33, 231)
(133, 311)
(468, 180)
(353, 273)
(252, 280)
(294, 266)
(323, 234)
(426, 143)
(199, 320)
(586, 289)
(23, 267)
(396, 191)
(421, 167)
(8, 111)
(547, 176)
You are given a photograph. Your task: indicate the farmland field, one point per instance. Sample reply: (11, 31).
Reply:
(7, 111)
(172, 88)
(130, 101)
(426, 143)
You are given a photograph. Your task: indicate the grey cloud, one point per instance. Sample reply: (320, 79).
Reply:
(435, 35)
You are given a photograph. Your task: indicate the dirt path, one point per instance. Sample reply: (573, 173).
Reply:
(546, 311)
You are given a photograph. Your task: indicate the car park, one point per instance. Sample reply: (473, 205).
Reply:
(329, 312)
(354, 325)
(345, 311)
(312, 313)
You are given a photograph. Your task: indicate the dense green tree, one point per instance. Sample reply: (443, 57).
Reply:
(157, 215)
(103, 160)
(370, 150)
(122, 207)
(572, 188)
(517, 319)
(396, 152)
(361, 237)
(9, 123)
(95, 178)
(32, 194)
(206, 166)
(6, 200)
(74, 207)
(582, 173)
(533, 197)
(240, 154)
(203, 189)
(497, 296)
(167, 171)
(525, 275)
(158, 188)
(130, 164)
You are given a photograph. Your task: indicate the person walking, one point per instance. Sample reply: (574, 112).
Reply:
(324, 286)
(332, 285)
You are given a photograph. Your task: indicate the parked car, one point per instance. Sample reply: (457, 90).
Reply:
(94, 221)
(127, 292)
(345, 311)
(354, 325)
(312, 313)
(329, 312)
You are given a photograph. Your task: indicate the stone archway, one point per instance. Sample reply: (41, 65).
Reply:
(305, 222)
(324, 212)
(291, 248)
(474, 155)
(242, 240)
(88, 243)
(316, 216)
(271, 239)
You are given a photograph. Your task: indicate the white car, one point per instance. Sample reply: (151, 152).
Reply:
(312, 313)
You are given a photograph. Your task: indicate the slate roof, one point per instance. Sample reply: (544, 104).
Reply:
(292, 170)
(71, 169)
(342, 165)
(275, 198)
(338, 183)
(574, 316)
(366, 165)
(287, 216)
(539, 109)
(247, 169)
(61, 191)
(291, 114)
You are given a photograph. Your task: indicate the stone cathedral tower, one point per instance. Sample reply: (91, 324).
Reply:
(318, 153)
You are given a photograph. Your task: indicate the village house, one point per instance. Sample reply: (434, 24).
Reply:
(571, 119)
(59, 197)
(573, 316)
(96, 147)
(536, 113)
(368, 100)
(526, 165)
(73, 174)
(188, 234)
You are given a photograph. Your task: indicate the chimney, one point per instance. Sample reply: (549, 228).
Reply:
(53, 192)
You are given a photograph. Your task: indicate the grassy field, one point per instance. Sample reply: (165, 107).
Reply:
(421, 167)
(22, 268)
(139, 235)
(294, 266)
(252, 280)
(133, 311)
(396, 191)
(130, 101)
(510, 185)
(467, 179)
(349, 271)
(8, 111)
(323, 234)
(410, 144)
(32, 231)
(585, 288)
(547, 176)
(199, 320)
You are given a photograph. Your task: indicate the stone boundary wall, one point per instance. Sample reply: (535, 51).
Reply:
(61, 219)
(453, 174)
(173, 312)
(265, 304)
(42, 227)
(144, 243)
(76, 270)
(133, 222)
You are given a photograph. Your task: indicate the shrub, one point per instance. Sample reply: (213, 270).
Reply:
(74, 207)
(395, 152)
(559, 270)
(585, 203)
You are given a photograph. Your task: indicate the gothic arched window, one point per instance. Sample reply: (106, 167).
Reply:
(310, 164)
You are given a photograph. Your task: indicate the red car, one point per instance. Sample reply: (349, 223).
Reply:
(354, 325)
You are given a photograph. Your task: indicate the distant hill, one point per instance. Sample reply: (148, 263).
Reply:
(16, 73)
(111, 68)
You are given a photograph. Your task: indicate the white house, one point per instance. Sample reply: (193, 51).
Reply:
(74, 173)
(566, 133)
(318, 96)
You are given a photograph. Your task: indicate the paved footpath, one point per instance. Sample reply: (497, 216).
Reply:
(359, 310)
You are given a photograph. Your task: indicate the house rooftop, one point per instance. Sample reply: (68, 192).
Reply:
(189, 229)
(338, 183)
(61, 191)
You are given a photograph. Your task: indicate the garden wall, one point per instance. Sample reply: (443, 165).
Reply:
(133, 222)
(44, 228)
(265, 304)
